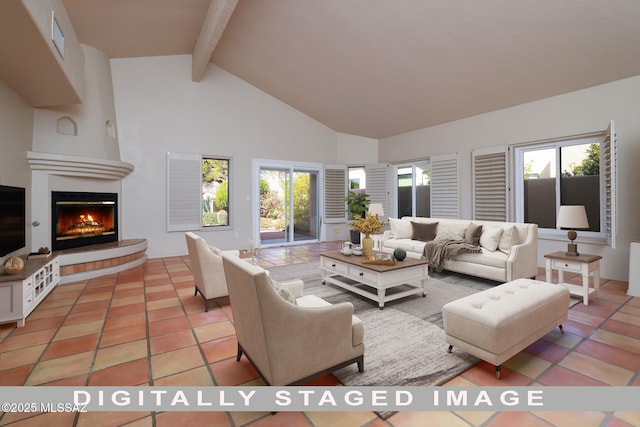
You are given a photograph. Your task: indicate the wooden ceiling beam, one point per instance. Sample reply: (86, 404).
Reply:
(215, 22)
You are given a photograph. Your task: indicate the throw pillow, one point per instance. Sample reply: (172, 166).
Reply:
(283, 291)
(450, 232)
(401, 228)
(472, 235)
(508, 239)
(490, 238)
(424, 231)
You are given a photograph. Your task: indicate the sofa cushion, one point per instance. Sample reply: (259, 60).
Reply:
(408, 245)
(451, 231)
(472, 235)
(508, 238)
(401, 228)
(490, 238)
(496, 259)
(424, 231)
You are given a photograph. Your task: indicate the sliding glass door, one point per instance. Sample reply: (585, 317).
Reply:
(413, 196)
(289, 198)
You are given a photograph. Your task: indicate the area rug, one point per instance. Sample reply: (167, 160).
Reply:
(404, 343)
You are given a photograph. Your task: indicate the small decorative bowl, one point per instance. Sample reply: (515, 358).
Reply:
(357, 250)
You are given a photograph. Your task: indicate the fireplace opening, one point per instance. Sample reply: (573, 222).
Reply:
(82, 219)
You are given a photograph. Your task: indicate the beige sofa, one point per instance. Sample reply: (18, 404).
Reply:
(289, 337)
(508, 250)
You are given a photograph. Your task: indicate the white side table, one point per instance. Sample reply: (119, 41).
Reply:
(583, 264)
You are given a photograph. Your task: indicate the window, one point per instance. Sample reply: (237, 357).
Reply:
(197, 191)
(215, 191)
(569, 171)
(413, 189)
(357, 178)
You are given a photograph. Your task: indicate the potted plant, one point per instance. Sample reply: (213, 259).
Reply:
(357, 204)
(367, 226)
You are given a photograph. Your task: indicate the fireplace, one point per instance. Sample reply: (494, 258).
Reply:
(82, 219)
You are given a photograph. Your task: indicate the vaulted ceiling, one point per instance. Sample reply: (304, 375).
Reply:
(379, 68)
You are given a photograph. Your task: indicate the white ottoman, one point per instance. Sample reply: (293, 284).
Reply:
(498, 323)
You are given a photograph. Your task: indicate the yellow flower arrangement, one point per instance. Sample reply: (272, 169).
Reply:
(368, 225)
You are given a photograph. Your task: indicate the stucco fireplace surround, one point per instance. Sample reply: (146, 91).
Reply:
(65, 173)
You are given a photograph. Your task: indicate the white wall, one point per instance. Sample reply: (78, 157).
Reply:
(16, 127)
(579, 112)
(159, 110)
(356, 150)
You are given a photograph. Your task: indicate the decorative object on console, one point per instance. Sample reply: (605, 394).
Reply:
(346, 248)
(400, 254)
(367, 226)
(572, 217)
(13, 265)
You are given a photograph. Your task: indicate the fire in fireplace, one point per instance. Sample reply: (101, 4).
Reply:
(81, 219)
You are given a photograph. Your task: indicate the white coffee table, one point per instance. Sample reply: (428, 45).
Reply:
(372, 281)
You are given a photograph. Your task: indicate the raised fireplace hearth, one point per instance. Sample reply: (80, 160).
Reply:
(82, 219)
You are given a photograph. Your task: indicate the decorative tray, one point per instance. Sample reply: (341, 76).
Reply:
(379, 259)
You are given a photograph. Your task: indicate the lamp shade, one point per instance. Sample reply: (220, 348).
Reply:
(376, 208)
(572, 216)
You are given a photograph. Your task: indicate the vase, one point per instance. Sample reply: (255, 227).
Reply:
(367, 246)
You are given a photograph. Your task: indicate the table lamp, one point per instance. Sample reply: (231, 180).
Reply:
(376, 208)
(572, 217)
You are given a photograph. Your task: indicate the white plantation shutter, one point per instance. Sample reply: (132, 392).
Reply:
(335, 192)
(609, 163)
(184, 191)
(377, 185)
(444, 186)
(490, 188)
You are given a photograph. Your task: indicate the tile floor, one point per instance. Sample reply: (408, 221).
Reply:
(144, 326)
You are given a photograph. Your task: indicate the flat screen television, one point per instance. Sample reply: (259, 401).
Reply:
(12, 219)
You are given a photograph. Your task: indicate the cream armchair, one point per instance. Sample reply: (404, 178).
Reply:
(289, 343)
(206, 266)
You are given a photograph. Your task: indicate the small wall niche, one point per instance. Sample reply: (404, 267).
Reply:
(111, 130)
(67, 126)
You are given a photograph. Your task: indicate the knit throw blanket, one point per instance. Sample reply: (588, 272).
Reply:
(437, 251)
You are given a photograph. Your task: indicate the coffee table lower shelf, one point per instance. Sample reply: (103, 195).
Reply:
(381, 296)
(373, 281)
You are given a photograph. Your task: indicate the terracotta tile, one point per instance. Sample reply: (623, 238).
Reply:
(120, 353)
(125, 374)
(35, 325)
(78, 330)
(27, 340)
(126, 309)
(171, 362)
(42, 313)
(485, 374)
(91, 306)
(616, 340)
(346, 419)
(40, 420)
(76, 381)
(71, 346)
(573, 419)
(229, 372)
(167, 287)
(597, 369)
(62, 367)
(93, 419)
(165, 313)
(198, 377)
(128, 300)
(527, 364)
(85, 316)
(220, 349)
(171, 419)
(122, 335)
(509, 419)
(547, 351)
(613, 355)
(559, 376)
(214, 315)
(163, 343)
(214, 331)
(163, 303)
(167, 326)
(285, 419)
(15, 376)
(126, 320)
